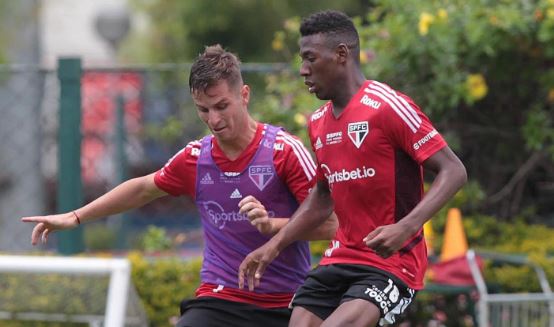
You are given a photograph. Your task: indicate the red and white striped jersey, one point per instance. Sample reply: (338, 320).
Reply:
(371, 157)
(293, 162)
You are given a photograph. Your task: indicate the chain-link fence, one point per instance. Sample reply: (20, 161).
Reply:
(133, 119)
(25, 94)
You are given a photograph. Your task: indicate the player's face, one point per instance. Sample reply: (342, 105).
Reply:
(318, 66)
(223, 109)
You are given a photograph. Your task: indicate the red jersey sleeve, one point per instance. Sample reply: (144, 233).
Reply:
(409, 128)
(294, 165)
(178, 176)
(313, 141)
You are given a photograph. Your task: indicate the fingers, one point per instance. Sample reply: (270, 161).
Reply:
(376, 242)
(248, 199)
(35, 219)
(242, 271)
(37, 233)
(259, 272)
(252, 270)
(45, 235)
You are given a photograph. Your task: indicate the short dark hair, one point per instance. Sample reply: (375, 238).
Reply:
(214, 65)
(336, 25)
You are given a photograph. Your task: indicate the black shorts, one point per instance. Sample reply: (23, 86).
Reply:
(213, 312)
(326, 287)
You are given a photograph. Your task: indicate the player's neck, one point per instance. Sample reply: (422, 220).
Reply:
(233, 148)
(346, 90)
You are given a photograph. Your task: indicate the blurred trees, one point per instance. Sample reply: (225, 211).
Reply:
(179, 30)
(484, 73)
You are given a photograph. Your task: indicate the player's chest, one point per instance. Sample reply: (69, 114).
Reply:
(354, 138)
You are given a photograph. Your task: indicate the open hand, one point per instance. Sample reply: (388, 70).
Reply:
(253, 266)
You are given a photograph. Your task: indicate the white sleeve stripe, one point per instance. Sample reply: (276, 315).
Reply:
(398, 112)
(302, 149)
(406, 104)
(395, 99)
(302, 155)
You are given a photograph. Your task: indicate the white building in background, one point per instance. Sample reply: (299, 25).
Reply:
(68, 28)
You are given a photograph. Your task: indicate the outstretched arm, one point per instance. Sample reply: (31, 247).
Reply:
(451, 176)
(131, 194)
(317, 207)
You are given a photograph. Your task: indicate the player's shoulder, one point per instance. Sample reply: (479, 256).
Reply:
(320, 112)
(286, 142)
(385, 96)
(193, 148)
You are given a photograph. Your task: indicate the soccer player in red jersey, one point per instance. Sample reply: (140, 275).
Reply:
(371, 143)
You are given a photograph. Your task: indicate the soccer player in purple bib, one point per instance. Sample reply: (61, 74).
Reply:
(371, 143)
(246, 178)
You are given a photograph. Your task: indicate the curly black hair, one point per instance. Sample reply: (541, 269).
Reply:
(336, 25)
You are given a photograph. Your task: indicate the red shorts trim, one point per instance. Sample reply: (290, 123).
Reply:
(264, 300)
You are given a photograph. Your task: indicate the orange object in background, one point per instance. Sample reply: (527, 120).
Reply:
(453, 268)
(455, 242)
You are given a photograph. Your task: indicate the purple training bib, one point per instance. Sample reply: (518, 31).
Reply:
(229, 236)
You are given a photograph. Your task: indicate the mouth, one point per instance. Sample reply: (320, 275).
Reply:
(218, 129)
(311, 86)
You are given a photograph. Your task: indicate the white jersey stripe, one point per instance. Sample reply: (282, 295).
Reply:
(306, 155)
(395, 108)
(397, 102)
(302, 154)
(406, 104)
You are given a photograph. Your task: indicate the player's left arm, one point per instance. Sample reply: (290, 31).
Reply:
(410, 130)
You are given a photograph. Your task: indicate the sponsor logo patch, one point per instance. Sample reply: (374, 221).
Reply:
(370, 102)
(207, 179)
(318, 144)
(220, 218)
(346, 175)
(333, 138)
(425, 139)
(236, 194)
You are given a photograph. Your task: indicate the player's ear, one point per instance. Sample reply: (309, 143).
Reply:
(245, 94)
(342, 52)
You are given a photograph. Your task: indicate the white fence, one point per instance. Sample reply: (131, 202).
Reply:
(117, 299)
(512, 309)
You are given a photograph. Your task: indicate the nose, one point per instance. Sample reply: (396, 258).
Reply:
(304, 70)
(213, 118)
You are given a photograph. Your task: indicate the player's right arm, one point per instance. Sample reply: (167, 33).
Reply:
(317, 207)
(131, 194)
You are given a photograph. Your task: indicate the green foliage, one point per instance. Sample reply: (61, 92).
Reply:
(162, 284)
(179, 30)
(99, 237)
(479, 69)
(51, 293)
(156, 239)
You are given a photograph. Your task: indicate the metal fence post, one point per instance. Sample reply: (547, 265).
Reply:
(121, 159)
(69, 152)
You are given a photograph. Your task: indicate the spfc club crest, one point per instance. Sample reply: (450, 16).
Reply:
(357, 132)
(261, 175)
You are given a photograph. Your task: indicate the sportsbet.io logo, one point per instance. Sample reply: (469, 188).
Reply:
(346, 175)
(221, 218)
